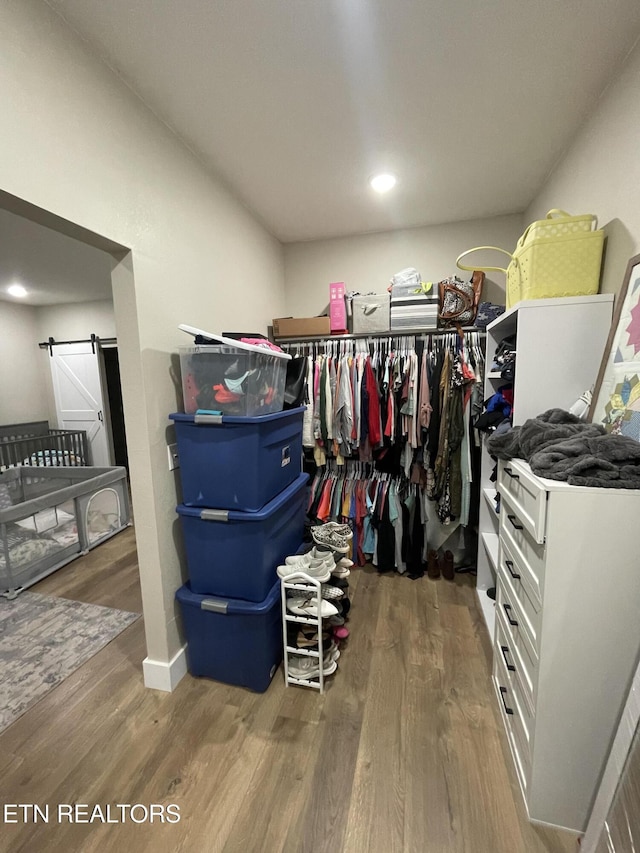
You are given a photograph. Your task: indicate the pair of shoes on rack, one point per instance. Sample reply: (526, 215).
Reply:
(315, 563)
(308, 606)
(307, 668)
(305, 637)
(333, 536)
(318, 563)
(434, 567)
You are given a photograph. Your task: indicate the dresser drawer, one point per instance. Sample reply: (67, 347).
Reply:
(516, 624)
(512, 715)
(527, 552)
(522, 583)
(518, 657)
(526, 496)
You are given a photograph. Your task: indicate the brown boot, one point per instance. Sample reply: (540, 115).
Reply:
(433, 565)
(448, 570)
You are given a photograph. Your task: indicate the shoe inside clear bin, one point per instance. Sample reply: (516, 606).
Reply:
(232, 381)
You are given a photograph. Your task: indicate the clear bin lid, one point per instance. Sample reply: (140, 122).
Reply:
(231, 342)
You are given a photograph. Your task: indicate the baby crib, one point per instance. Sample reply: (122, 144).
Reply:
(35, 443)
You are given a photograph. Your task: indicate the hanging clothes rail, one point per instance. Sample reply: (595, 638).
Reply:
(389, 420)
(340, 345)
(416, 333)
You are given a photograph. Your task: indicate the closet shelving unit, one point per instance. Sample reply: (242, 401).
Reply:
(559, 346)
(303, 584)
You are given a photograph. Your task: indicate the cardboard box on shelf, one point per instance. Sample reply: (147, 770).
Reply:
(299, 327)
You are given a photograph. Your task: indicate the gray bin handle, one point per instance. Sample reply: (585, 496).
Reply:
(207, 419)
(216, 605)
(214, 515)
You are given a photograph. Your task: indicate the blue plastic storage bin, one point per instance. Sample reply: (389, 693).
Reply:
(236, 554)
(238, 463)
(237, 642)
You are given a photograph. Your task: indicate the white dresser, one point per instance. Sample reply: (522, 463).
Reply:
(567, 633)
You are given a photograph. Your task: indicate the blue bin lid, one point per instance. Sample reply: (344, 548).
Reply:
(267, 510)
(227, 606)
(217, 420)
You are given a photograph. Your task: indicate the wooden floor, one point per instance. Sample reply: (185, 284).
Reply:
(405, 751)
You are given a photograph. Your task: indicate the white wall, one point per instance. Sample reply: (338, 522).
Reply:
(600, 173)
(77, 321)
(366, 263)
(23, 394)
(83, 146)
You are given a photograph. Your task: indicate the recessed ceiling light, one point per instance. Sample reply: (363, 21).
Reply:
(17, 290)
(383, 183)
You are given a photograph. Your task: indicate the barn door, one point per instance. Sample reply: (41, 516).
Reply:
(78, 391)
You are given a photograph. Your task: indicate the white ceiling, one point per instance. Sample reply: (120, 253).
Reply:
(52, 267)
(295, 103)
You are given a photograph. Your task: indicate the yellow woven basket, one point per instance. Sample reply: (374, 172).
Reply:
(557, 256)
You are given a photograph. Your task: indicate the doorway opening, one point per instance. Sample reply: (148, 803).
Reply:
(60, 369)
(116, 411)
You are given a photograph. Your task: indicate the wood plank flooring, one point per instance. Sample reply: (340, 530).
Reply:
(405, 751)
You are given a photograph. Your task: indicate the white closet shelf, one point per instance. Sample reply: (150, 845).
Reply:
(490, 542)
(488, 608)
(490, 495)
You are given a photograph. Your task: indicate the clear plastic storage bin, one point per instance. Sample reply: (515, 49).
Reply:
(242, 380)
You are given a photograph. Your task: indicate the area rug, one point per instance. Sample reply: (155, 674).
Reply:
(43, 640)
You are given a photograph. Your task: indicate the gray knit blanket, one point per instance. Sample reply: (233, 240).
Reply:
(559, 446)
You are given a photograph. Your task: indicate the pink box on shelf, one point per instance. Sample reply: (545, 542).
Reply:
(337, 307)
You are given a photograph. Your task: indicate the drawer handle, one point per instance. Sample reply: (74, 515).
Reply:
(507, 608)
(513, 476)
(513, 574)
(510, 666)
(512, 519)
(503, 693)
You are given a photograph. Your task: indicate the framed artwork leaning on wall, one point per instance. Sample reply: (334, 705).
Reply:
(616, 396)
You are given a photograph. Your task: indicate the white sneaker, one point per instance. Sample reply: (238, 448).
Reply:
(331, 654)
(308, 668)
(308, 607)
(319, 570)
(313, 554)
(344, 563)
(341, 573)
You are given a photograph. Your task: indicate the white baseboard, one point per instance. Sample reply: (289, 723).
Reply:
(159, 675)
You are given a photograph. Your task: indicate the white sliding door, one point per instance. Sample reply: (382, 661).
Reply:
(77, 386)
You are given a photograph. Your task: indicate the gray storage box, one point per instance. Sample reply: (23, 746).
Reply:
(371, 313)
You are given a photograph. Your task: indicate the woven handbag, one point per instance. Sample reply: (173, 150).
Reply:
(557, 256)
(459, 300)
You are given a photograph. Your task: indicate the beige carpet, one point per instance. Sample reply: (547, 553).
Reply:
(43, 640)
